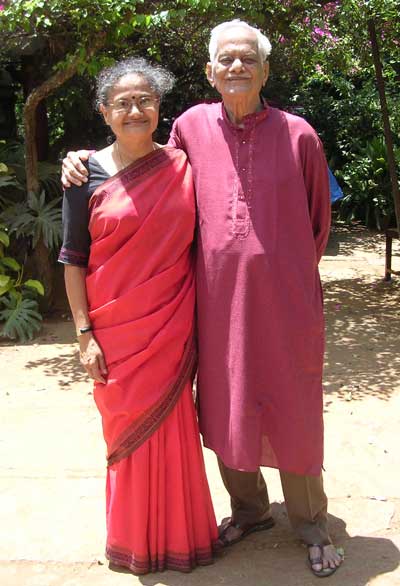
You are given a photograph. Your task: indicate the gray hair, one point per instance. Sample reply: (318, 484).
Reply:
(159, 79)
(264, 46)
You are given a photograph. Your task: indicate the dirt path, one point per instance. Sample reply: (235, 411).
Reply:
(52, 454)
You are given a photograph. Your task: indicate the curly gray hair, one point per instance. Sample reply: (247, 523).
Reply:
(159, 79)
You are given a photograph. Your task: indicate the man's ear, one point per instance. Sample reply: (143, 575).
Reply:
(266, 72)
(209, 74)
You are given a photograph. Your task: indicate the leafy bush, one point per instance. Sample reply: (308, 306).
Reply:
(24, 221)
(35, 218)
(12, 156)
(18, 297)
(369, 196)
(346, 113)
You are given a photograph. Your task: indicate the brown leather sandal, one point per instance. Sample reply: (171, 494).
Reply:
(246, 529)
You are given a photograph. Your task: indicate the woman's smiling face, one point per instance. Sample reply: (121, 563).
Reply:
(132, 108)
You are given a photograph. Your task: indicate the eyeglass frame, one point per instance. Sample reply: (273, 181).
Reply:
(134, 100)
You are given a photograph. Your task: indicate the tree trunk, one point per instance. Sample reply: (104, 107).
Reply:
(41, 254)
(30, 66)
(385, 117)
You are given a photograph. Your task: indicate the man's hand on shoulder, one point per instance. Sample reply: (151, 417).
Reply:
(73, 171)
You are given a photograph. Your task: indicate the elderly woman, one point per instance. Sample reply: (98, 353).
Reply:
(129, 277)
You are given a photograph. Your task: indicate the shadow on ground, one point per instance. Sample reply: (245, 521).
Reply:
(65, 367)
(344, 239)
(356, 313)
(276, 558)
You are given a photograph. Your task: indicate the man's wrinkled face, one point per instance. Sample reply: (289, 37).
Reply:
(237, 69)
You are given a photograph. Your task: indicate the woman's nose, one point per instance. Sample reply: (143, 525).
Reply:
(134, 109)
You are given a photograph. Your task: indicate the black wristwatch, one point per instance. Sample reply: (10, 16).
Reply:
(83, 330)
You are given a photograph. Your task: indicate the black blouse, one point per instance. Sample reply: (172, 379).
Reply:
(75, 213)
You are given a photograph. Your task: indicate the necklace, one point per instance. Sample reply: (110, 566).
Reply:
(121, 162)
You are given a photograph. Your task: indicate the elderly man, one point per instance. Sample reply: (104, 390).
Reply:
(263, 221)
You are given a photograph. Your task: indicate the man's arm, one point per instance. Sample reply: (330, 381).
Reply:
(73, 172)
(175, 137)
(315, 169)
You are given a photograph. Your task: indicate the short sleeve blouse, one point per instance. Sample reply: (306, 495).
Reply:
(75, 213)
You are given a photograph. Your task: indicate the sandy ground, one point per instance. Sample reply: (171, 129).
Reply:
(52, 455)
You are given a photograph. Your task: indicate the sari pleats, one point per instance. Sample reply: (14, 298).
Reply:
(159, 511)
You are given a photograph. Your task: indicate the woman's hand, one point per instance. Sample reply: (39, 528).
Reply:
(92, 357)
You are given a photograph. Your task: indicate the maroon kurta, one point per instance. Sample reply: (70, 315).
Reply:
(263, 222)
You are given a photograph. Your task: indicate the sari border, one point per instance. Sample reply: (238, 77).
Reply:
(169, 560)
(140, 168)
(140, 430)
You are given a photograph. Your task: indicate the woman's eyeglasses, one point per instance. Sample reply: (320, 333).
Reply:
(141, 103)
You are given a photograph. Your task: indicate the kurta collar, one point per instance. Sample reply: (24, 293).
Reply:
(250, 120)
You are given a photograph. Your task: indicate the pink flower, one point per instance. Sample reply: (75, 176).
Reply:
(331, 8)
(319, 33)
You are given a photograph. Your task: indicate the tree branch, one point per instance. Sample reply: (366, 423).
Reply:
(35, 97)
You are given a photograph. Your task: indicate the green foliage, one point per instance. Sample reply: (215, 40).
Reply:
(19, 313)
(339, 97)
(8, 179)
(369, 189)
(62, 26)
(18, 297)
(13, 162)
(20, 316)
(35, 218)
(29, 216)
(321, 67)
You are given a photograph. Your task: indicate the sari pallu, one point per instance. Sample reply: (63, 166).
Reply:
(140, 288)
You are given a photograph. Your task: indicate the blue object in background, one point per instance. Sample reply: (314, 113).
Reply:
(335, 189)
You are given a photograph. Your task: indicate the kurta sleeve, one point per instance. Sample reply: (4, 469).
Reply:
(316, 178)
(174, 137)
(76, 237)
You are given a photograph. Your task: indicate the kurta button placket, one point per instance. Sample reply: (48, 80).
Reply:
(244, 145)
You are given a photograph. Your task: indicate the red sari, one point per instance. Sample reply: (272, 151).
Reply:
(140, 287)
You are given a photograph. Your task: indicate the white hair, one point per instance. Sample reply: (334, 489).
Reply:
(264, 46)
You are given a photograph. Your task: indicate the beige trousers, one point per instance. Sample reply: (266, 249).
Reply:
(305, 499)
